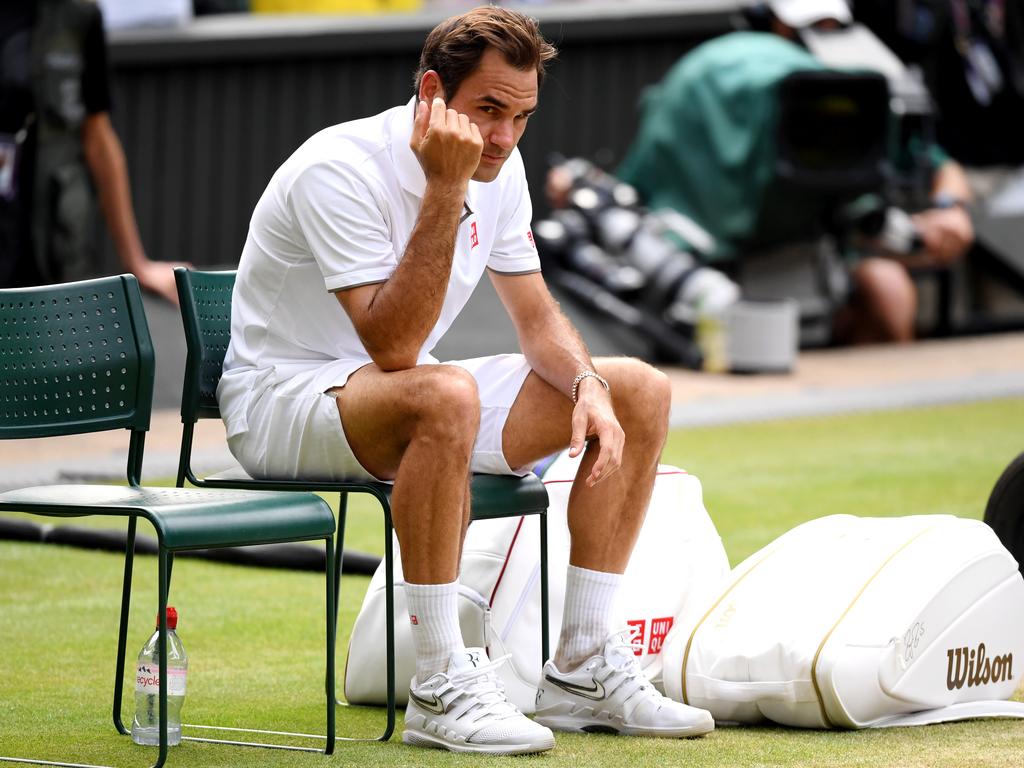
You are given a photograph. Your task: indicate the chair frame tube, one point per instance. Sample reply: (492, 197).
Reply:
(165, 564)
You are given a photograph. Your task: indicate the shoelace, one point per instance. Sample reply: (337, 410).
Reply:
(619, 646)
(486, 689)
(631, 679)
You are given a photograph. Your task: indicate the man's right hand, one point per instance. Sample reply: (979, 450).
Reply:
(593, 416)
(446, 143)
(947, 234)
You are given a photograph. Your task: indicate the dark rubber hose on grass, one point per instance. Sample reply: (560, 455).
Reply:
(299, 557)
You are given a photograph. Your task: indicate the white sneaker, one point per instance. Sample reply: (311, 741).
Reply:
(609, 693)
(465, 710)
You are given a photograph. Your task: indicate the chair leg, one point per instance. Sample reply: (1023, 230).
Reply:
(389, 622)
(184, 463)
(339, 552)
(332, 620)
(544, 629)
(122, 635)
(389, 727)
(339, 556)
(163, 577)
(121, 649)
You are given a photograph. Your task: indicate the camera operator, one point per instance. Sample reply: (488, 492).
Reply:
(728, 194)
(883, 303)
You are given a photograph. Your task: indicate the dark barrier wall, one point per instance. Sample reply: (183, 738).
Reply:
(208, 112)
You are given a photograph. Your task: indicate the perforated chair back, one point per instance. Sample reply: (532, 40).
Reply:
(78, 358)
(206, 313)
(74, 358)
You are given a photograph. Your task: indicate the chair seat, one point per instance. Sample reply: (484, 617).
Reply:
(493, 496)
(497, 496)
(236, 477)
(188, 518)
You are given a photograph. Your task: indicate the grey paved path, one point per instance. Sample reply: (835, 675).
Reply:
(866, 378)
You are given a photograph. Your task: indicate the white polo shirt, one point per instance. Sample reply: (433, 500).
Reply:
(339, 214)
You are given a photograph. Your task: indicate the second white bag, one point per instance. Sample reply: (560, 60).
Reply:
(849, 622)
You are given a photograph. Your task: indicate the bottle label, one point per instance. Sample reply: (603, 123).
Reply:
(147, 680)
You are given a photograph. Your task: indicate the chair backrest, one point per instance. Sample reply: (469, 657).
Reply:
(75, 357)
(205, 299)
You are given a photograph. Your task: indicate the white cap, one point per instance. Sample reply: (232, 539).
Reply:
(802, 13)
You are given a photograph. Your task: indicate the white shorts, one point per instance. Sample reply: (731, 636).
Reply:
(296, 433)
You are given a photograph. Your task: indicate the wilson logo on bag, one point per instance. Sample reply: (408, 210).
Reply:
(977, 670)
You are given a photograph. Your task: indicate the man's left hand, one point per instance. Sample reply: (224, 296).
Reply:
(594, 417)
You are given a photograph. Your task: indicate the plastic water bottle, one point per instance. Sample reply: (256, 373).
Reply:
(146, 726)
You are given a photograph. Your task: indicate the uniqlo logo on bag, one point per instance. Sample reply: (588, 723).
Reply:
(637, 635)
(659, 631)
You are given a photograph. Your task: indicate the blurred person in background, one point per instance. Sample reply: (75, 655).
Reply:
(59, 150)
(971, 53)
(882, 302)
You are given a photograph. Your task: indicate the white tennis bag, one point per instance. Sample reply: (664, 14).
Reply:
(678, 561)
(849, 622)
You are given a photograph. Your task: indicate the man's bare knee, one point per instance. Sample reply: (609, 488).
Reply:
(642, 395)
(638, 379)
(445, 404)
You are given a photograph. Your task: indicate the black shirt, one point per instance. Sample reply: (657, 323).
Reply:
(925, 32)
(16, 19)
(17, 266)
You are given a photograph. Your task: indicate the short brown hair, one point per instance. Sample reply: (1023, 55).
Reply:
(454, 47)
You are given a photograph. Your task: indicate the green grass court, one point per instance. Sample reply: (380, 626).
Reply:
(254, 637)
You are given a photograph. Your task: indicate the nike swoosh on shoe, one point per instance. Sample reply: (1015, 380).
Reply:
(596, 693)
(433, 704)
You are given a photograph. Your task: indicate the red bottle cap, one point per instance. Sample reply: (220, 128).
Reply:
(172, 618)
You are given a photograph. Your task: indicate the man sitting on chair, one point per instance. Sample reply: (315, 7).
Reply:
(361, 252)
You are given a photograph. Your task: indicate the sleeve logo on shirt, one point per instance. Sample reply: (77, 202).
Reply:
(529, 236)
(474, 239)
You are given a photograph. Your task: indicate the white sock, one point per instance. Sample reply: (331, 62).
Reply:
(434, 616)
(586, 621)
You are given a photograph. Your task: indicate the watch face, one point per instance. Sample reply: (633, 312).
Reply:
(946, 200)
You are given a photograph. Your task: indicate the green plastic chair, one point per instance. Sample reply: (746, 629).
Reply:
(205, 299)
(77, 358)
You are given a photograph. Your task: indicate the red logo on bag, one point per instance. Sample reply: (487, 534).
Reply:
(474, 240)
(637, 635)
(659, 631)
(413, 620)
